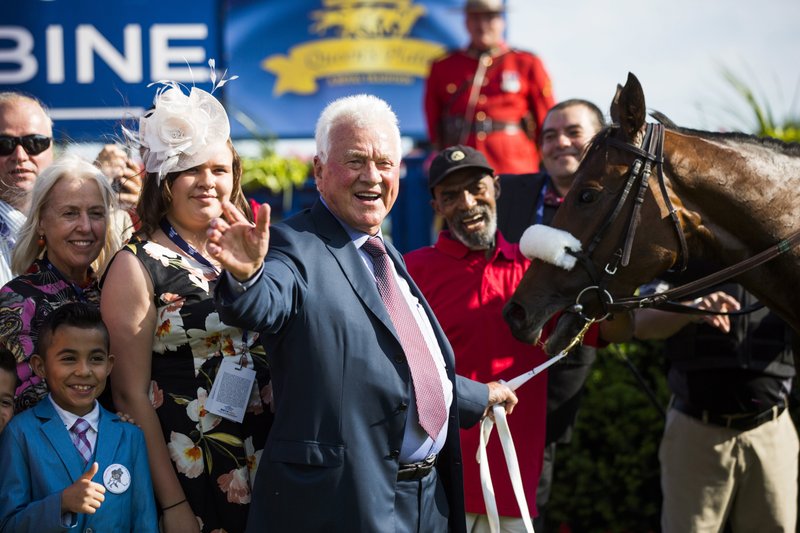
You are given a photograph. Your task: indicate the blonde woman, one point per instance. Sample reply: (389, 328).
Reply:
(66, 232)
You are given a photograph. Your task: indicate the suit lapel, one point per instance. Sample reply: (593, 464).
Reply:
(108, 438)
(345, 253)
(58, 437)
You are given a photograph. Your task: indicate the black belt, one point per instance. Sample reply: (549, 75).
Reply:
(418, 470)
(739, 421)
(488, 125)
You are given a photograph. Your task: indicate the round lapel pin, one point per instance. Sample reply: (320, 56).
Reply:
(116, 478)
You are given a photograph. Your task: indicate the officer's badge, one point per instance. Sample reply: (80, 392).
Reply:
(510, 82)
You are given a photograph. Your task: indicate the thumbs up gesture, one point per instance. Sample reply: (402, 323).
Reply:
(83, 496)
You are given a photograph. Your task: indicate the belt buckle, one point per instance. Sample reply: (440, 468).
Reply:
(483, 126)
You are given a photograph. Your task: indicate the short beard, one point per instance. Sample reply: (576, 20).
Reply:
(481, 240)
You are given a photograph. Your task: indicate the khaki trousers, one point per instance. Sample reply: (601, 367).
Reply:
(710, 474)
(479, 523)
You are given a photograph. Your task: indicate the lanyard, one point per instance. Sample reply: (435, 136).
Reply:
(79, 292)
(181, 243)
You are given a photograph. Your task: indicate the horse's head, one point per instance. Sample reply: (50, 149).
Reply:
(597, 219)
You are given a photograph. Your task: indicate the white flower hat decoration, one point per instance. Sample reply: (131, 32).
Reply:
(181, 130)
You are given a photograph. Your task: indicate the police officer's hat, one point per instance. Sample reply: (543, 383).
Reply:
(485, 6)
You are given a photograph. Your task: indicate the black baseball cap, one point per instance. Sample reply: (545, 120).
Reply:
(455, 158)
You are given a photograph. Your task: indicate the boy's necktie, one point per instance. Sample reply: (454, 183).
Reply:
(79, 439)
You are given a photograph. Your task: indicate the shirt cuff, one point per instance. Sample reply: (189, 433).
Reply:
(240, 287)
(68, 519)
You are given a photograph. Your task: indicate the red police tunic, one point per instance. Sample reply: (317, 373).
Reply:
(515, 86)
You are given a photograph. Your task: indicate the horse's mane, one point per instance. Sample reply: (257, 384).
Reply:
(791, 149)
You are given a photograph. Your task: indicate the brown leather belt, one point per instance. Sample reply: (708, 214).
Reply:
(418, 470)
(739, 421)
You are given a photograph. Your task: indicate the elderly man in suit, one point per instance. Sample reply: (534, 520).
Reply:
(368, 406)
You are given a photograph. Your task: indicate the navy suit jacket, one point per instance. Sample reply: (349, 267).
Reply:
(39, 461)
(516, 206)
(341, 385)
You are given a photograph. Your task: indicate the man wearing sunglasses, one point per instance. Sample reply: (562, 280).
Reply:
(26, 148)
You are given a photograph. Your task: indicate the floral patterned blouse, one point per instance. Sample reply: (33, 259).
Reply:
(25, 301)
(215, 458)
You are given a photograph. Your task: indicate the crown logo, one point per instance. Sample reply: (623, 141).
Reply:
(366, 19)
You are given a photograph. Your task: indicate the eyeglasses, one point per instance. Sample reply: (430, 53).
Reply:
(32, 144)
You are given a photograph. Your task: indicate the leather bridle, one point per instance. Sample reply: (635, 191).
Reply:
(651, 153)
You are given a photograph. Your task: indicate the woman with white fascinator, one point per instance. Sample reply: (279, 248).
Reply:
(174, 356)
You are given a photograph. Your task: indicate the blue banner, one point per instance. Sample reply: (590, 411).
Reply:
(294, 57)
(90, 61)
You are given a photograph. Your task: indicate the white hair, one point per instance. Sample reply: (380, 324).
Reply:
(361, 111)
(74, 166)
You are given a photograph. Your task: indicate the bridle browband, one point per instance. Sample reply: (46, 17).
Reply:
(652, 153)
(649, 154)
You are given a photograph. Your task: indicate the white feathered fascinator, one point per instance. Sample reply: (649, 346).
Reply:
(181, 130)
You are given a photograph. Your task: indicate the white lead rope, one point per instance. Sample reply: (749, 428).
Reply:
(507, 442)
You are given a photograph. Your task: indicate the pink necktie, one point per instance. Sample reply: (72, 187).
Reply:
(427, 384)
(78, 435)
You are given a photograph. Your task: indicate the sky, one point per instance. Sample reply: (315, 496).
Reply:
(676, 48)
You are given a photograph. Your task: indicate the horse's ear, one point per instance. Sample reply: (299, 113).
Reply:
(615, 105)
(628, 109)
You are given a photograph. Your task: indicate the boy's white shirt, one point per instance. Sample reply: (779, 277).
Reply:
(93, 418)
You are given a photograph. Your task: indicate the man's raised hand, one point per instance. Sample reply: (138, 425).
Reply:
(236, 243)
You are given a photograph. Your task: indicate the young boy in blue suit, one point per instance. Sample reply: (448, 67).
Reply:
(67, 462)
(8, 384)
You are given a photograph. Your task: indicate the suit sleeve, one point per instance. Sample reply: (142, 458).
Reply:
(472, 400)
(144, 517)
(18, 514)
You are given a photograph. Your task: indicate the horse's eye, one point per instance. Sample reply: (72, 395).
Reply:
(588, 196)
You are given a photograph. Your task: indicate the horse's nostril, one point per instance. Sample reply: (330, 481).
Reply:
(514, 314)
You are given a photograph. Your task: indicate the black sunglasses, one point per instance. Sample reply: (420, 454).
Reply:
(32, 144)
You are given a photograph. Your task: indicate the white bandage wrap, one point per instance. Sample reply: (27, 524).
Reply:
(549, 245)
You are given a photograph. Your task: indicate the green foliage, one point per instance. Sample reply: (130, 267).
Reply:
(607, 478)
(274, 172)
(786, 129)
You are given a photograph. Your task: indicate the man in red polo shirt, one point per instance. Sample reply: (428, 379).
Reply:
(467, 277)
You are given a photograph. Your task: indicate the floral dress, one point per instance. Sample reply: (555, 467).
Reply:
(25, 301)
(215, 458)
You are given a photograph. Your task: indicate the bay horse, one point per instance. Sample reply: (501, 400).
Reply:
(722, 197)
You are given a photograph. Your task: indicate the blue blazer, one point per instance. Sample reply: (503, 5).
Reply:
(39, 461)
(341, 385)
